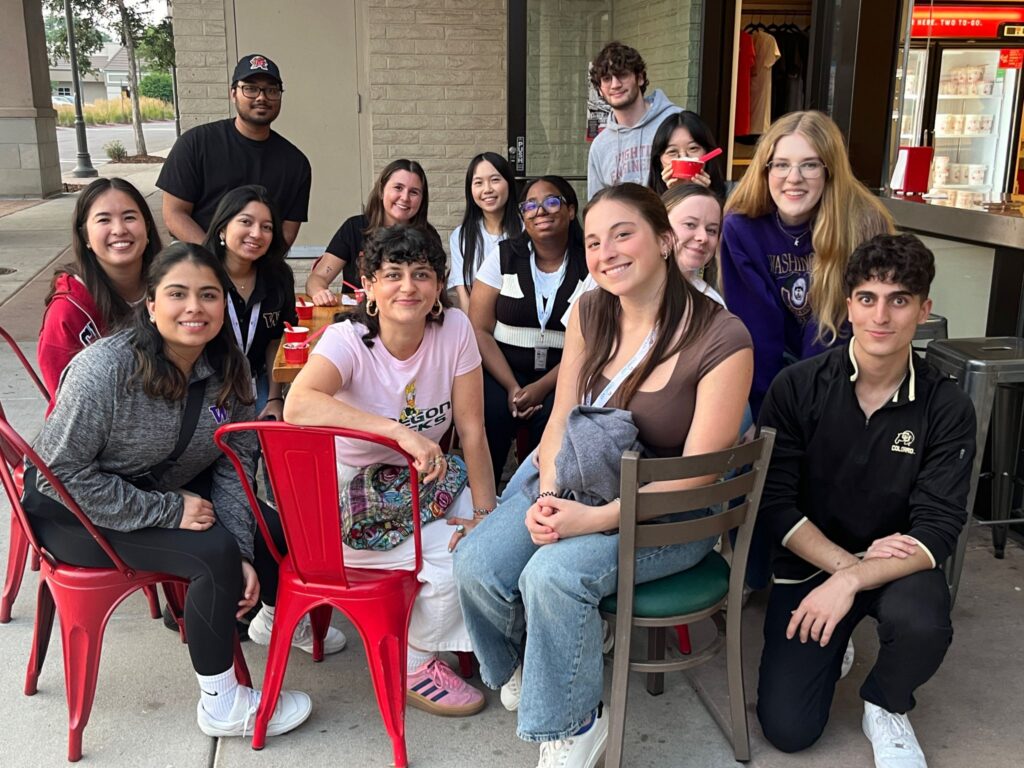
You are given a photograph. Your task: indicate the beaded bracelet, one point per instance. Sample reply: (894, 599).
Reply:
(542, 494)
(482, 512)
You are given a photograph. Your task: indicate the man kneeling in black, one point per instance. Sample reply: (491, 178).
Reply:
(865, 497)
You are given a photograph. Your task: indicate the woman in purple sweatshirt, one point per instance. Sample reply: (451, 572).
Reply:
(790, 227)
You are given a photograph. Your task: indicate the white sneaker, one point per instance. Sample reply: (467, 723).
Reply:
(583, 751)
(293, 708)
(261, 626)
(848, 656)
(512, 691)
(892, 739)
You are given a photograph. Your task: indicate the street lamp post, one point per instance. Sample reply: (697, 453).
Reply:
(84, 168)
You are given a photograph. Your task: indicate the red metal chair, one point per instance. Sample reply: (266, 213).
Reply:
(313, 575)
(19, 549)
(83, 599)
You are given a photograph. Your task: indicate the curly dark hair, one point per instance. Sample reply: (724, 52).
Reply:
(400, 244)
(898, 259)
(618, 59)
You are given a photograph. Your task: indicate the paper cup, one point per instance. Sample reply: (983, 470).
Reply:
(686, 168)
(304, 309)
(941, 162)
(976, 174)
(297, 335)
(296, 353)
(958, 125)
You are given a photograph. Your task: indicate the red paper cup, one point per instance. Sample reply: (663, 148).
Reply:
(359, 296)
(686, 168)
(297, 335)
(296, 353)
(304, 309)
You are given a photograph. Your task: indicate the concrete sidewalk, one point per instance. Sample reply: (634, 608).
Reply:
(144, 714)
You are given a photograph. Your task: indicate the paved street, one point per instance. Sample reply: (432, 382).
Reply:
(158, 136)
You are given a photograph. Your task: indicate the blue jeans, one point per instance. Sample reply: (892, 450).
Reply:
(509, 586)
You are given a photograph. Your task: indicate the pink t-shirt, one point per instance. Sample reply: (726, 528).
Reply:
(416, 392)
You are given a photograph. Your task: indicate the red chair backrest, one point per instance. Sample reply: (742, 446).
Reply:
(304, 476)
(11, 443)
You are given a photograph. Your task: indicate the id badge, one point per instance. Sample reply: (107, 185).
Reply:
(540, 354)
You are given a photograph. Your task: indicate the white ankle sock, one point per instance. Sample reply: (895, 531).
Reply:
(217, 693)
(417, 658)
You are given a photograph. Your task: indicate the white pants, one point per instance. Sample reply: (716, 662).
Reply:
(436, 623)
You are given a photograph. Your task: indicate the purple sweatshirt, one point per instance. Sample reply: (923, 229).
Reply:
(766, 277)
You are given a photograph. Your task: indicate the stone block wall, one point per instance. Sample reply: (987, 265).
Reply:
(436, 72)
(201, 58)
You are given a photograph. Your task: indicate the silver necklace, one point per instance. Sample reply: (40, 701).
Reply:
(782, 229)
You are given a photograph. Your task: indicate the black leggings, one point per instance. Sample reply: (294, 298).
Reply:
(501, 426)
(209, 559)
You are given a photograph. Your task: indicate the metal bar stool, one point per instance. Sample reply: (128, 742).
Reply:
(987, 369)
(932, 329)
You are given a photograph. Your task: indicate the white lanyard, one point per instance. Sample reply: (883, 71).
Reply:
(544, 310)
(254, 317)
(628, 368)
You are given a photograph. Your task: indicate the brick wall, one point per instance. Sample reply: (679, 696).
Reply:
(667, 33)
(201, 58)
(436, 71)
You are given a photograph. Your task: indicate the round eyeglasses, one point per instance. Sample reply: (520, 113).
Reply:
(550, 204)
(809, 169)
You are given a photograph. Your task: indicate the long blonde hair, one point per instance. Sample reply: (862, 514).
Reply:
(846, 216)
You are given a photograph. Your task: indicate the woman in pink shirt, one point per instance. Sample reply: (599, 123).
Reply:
(405, 367)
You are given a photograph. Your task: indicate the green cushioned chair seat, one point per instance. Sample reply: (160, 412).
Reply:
(694, 590)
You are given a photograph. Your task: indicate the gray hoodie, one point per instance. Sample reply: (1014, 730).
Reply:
(621, 153)
(104, 429)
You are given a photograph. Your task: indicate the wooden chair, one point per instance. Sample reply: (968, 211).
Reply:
(698, 593)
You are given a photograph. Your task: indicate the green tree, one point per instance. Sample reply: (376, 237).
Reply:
(156, 46)
(157, 85)
(89, 38)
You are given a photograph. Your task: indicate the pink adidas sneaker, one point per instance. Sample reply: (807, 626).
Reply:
(435, 688)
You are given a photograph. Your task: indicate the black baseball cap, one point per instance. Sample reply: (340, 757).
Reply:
(255, 64)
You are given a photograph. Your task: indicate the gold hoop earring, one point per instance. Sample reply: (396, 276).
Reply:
(438, 309)
(371, 308)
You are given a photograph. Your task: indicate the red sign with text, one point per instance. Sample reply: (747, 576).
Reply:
(1011, 58)
(963, 21)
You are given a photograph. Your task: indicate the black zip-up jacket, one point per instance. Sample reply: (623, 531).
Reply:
(905, 470)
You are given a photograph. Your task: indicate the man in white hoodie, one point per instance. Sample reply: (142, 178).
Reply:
(622, 151)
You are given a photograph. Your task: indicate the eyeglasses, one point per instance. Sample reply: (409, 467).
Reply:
(550, 204)
(811, 169)
(272, 92)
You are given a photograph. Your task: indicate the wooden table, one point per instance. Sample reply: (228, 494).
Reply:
(285, 373)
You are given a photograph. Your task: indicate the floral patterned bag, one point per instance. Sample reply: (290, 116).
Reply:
(376, 503)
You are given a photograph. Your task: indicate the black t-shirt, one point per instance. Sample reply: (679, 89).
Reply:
(347, 245)
(214, 158)
(277, 304)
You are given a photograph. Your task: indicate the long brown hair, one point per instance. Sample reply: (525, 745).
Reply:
(114, 310)
(162, 379)
(847, 214)
(681, 305)
(673, 197)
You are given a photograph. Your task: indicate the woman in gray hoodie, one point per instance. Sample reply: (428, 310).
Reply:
(118, 417)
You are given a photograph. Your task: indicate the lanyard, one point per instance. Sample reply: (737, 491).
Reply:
(544, 310)
(254, 317)
(628, 368)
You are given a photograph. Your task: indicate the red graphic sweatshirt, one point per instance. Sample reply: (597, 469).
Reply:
(71, 322)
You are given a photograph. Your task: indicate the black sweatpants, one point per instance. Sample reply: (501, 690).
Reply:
(798, 680)
(209, 559)
(501, 426)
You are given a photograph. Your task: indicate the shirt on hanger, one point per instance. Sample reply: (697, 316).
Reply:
(767, 50)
